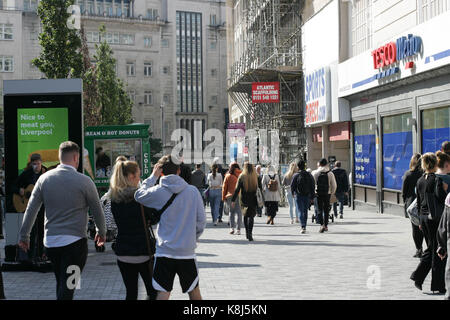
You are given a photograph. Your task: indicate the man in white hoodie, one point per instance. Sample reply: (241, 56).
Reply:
(178, 231)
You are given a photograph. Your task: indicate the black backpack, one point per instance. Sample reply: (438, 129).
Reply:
(304, 183)
(322, 183)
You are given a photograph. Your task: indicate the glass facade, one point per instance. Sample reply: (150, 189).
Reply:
(435, 128)
(189, 61)
(397, 149)
(365, 153)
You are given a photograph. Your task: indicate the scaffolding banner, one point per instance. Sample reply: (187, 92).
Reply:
(265, 92)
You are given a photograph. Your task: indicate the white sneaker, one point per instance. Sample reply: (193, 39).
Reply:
(303, 231)
(292, 221)
(238, 232)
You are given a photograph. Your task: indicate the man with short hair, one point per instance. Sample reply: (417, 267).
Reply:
(342, 188)
(67, 196)
(198, 180)
(325, 187)
(303, 186)
(179, 229)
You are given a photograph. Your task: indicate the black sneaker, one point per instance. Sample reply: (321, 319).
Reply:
(341, 216)
(418, 254)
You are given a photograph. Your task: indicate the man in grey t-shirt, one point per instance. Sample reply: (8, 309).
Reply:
(67, 196)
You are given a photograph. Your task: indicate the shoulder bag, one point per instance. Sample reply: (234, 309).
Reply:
(413, 213)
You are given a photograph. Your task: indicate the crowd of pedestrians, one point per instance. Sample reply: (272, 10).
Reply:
(174, 199)
(427, 201)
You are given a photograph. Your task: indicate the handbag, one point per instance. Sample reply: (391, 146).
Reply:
(259, 198)
(333, 198)
(413, 213)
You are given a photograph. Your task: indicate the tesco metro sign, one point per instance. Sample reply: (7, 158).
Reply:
(392, 52)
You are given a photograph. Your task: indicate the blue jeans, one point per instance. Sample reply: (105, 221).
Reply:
(303, 205)
(340, 199)
(292, 205)
(215, 196)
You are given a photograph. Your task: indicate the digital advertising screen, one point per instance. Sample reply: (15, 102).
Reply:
(41, 130)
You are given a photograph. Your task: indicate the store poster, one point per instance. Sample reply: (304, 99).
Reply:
(365, 160)
(397, 153)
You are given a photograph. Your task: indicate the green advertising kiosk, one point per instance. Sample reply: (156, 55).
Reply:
(103, 144)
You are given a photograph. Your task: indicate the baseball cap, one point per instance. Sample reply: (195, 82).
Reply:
(35, 156)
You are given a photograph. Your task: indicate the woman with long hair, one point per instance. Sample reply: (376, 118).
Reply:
(409, 195)
(229, 186)
(272, 195)
(246, 187)
(286, 183)
(130, 245)
(428, 201)
(214, 181)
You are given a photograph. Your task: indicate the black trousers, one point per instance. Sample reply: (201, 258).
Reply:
(430, 260)
(130, 275)
(37, 236)
(248, 223)
(2, 291)
(417, 234)
(323, 204)
(74, 254)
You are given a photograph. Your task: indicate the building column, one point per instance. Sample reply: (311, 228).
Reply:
(325, 141)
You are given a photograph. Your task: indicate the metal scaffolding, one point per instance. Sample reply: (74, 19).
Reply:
(270, 51)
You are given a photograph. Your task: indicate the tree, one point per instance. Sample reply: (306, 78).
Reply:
(60, 56)
(114, 102)
(155, 148)
(92, 112)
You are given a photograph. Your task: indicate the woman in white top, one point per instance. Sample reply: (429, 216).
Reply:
(215, 181)
(272, 192)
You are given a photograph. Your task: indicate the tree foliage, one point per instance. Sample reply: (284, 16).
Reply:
(60, 55)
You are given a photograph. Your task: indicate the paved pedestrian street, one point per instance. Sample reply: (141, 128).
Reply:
(364, 256)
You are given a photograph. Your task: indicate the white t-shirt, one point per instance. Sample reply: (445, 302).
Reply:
(214, 183)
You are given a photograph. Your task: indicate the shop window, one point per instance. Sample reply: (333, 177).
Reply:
(365, 153)
(397, 149)
(435, 128)
(107, 151)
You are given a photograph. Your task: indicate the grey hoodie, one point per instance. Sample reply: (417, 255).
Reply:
(183, 221)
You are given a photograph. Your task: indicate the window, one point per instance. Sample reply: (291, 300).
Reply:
(213, 19)
(127, 39)
(93, 36)
(213, 45)
(99, 8)
(90, 7)
(361, 26)
(148, 98)
(214, 72)
(6, 31)
(166, 70)
(166, 98)
(6, 64)
(435, 128)
(397, 149)
(147, 42)
(29, 5)
(131, 69)
(148, 69)
(427, 9)
(152, 14)
(365, 153)
(214, 99)
(132, 95)
(165, 43)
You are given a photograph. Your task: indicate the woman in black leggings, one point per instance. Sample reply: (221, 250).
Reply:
(131, 244)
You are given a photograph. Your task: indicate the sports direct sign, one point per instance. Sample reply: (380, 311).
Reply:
(265, 92)
(317, 96)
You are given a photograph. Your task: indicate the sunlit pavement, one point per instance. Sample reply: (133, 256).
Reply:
(364, 256)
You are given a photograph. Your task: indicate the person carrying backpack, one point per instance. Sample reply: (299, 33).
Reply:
(342, 188)
(325, 187)
(303, 187)
(271, 189)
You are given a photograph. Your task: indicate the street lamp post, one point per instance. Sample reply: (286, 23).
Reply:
(163, 140)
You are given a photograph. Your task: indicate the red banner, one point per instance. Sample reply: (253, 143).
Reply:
(265, 92)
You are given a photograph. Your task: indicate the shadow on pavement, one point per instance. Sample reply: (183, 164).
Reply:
(206, 265)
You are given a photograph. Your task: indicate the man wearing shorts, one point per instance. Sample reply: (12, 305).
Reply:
(179, 229)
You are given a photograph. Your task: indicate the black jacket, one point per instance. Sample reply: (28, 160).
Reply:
(247, 200)
(28, 177)
(430, 196)
(131, 236)
(410, 179)
(296, 180)
(341, 180)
